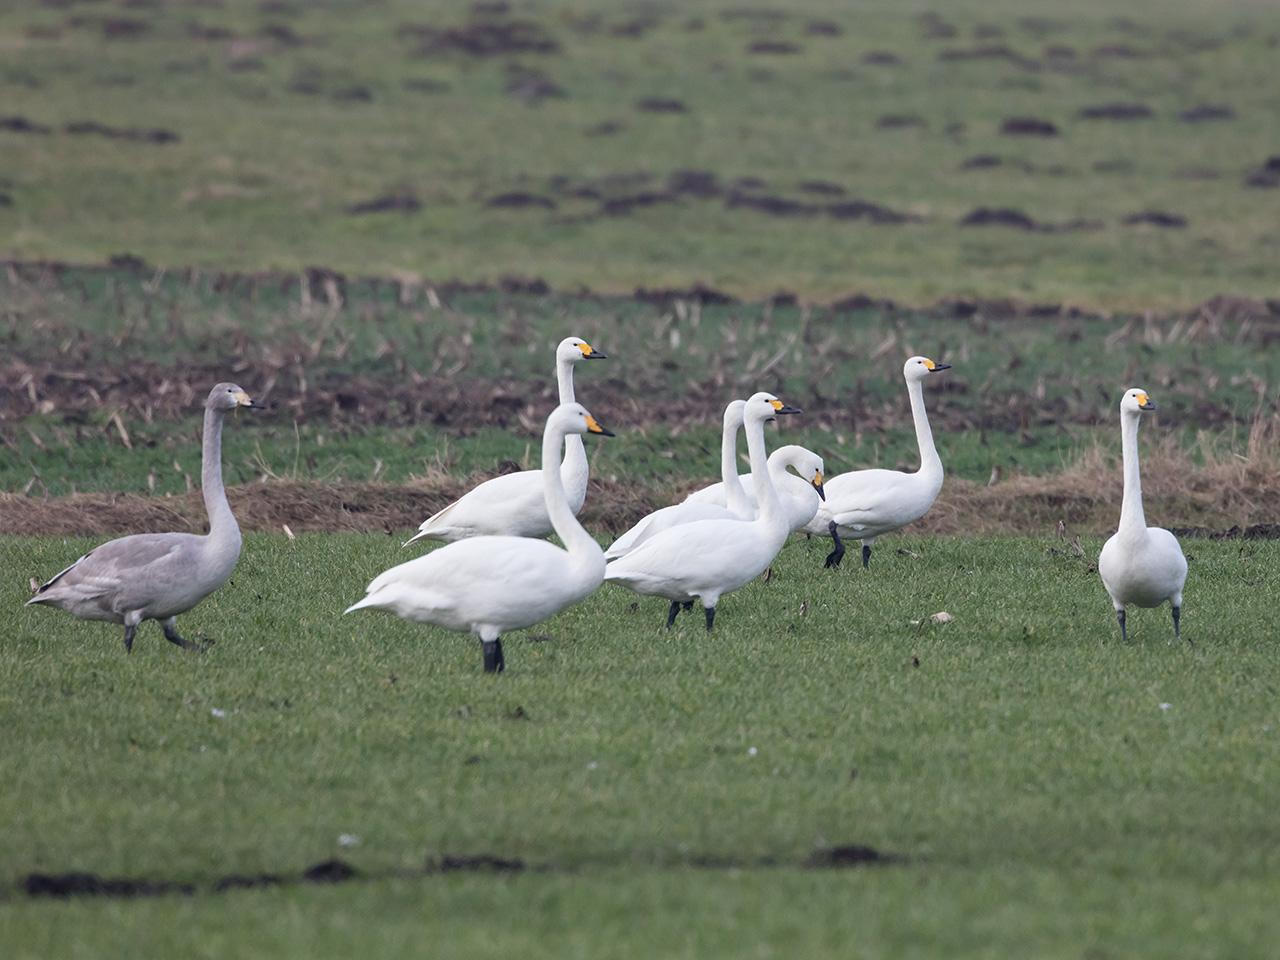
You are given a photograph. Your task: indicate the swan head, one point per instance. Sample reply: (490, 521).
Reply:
(807, 465)
(1136, 401)
(573, 349)
(763, 407)
(733, 414)
(226, 397)
(575, 418)
(917, 368)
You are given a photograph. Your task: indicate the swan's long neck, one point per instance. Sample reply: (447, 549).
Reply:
(930, 462)
(735, 498)
(766, 495)
(575, 454)
(576, 540)
(222, 523)
(1132, 519)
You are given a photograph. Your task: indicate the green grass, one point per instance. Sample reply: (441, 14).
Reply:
(1048, 803)
(271, 157)
(1026, 394)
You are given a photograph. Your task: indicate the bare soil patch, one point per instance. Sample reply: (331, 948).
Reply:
(625, 205)
(990, 51)
(1117, 111)
(661, 105)
(823, 28)
(823, 188)
(899, 121)
(520, 200)
(20, 124)
(1204, 112)
(773, 47)
(1028, 127)
(156, 135)
(881, 58)
(695, 183)
(1267, 176)
(487, 38)
(404, 201)
(532, 85)
(1155, 218)
(999, 217)
(933, 26)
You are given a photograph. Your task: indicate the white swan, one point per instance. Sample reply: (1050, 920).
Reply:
(738, 506)
(492, 585)
(1140, 565)
(866, 504)
(156, 576)
(709, 558)
(800, 497)
(513, 504)
(733, 498)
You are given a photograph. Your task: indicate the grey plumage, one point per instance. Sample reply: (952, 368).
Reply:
(156, 576)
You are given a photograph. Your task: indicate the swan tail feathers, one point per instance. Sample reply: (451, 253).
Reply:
(429, 526)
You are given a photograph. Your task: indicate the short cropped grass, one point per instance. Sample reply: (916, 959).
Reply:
(1054, 793)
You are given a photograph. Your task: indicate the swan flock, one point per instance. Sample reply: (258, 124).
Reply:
(494, 573)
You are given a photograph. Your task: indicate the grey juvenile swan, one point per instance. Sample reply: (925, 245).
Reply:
(156, 576)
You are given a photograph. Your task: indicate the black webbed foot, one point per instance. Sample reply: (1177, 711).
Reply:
(494, 662)
(836, 555)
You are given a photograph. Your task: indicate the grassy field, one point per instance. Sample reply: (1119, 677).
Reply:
(379, 218)
(1046, 790)
(101, 391)
(817, 147)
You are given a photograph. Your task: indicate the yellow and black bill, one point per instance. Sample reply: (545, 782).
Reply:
(593, 426)
(780, 407)
(591, 353)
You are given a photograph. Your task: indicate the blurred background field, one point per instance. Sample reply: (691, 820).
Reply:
(1098, 155)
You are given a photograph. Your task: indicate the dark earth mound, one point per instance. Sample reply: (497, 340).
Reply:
(1028, 127)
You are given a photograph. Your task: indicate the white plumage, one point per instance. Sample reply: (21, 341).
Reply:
(491, 585)
(708, 558)
(866, 504)
(513, 504)
(800, 497)
(1140, 566)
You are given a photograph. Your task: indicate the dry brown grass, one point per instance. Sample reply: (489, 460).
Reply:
(1217, 486)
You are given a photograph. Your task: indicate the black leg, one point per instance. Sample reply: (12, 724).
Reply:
(866, 556)
(836, 555)
(711, 617)
(129, 631)
(171, 634)
(1124, 634)
(493, 659)
(1177, 626)
(687, 606)
(672, 612)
